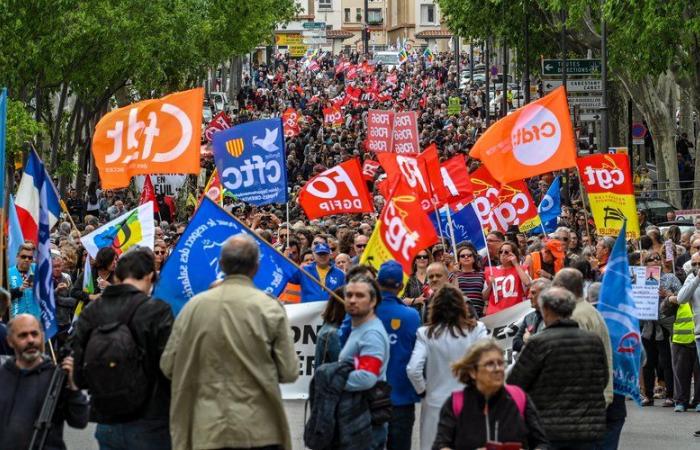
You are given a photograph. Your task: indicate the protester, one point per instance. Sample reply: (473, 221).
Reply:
(322, 270)
(490, 410)
(415, 293)
(532, 323)
(21, 283)
(26, 379)
(470, 278)
(506, 283)
(452, 328)
(438, 277)
(553, 366)
(327, 339)
(5, 349)
(130, 403)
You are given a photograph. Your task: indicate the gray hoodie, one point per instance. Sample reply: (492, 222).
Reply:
(690, 293)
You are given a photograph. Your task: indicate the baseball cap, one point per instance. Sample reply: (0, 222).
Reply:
(390, 274)
(321, 248)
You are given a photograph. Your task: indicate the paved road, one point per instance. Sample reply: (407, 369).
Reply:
(646, 429)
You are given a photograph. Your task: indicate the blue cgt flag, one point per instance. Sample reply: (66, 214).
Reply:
(193, 264)
(467, 226)
(251, 161)
(617, 307)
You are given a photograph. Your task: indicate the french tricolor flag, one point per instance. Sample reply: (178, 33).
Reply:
(27, 198)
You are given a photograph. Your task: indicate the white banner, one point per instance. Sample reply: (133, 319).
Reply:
(645, 291)
(305, 320)
(163, 184)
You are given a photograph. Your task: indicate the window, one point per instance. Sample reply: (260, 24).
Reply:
(347, 15)
(427, 14)
(358, 14)
(374, 16)
(325, 4)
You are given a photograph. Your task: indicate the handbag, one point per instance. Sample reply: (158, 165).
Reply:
(379, 400)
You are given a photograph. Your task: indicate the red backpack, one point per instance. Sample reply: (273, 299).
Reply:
(516, 393)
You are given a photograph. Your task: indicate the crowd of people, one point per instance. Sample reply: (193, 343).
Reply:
(210, 377)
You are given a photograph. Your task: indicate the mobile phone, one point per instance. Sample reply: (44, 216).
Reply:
(30, 278)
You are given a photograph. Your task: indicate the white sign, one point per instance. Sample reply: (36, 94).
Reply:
(636, 141)
(169, 184)
(645, 291)
(305, 320)
(585, 85)
(314, 33)
(586, 102)
(315, 41)
(589, 117)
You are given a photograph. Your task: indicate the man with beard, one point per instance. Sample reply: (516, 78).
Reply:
(25, 380)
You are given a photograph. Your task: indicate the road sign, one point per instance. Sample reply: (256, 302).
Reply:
(494, 70)
(589, 102)
(582, 85)
(314, 33)
(573, 66)
(618, 150)
(316, 41)
(314, 25)
(639, 132)
(589, 117)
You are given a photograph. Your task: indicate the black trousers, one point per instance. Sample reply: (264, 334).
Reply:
(685, 364)
(658, 356)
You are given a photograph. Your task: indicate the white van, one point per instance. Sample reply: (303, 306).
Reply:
(386, 59)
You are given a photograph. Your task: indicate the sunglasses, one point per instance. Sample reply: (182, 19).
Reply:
(160, 252)
(422, 257)
(466, 255)
(654, 258)
(360, 245)
(505, 252)
(26, 257)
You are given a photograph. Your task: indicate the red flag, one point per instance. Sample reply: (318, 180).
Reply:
(431, 162)
(351, 73)
(407, 229)
(148, 193)
(219, 122)
(406, 133)
(456, 178)
(412, 172)
(340, 100)
(369, 169)
(290, 119)
(332, 116)
(338, 190)
(353, 93)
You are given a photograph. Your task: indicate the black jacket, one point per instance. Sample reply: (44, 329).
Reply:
(565, 371)
(151, 324)
(22, 394)
(532, 323)
(468, 431)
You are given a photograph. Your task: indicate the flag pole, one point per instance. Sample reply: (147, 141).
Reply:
(330, 292)
(488, 258)
(452, 234)
(70, 218)
(287, 205)
(583, 203)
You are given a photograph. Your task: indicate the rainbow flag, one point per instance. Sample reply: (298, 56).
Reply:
(428, 55)
(403, 56)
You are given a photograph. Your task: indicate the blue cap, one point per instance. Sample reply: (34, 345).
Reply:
(390, 274)
(321, 248)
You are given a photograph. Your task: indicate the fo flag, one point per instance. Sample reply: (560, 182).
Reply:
(617, 307)
(193, 264)
(153, 136)
(338, 190)
(535, 139)
(402, 231)
(456, 179)
(550, 206)
(251, 162)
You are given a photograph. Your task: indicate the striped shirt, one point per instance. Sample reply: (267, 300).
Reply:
(472, 285)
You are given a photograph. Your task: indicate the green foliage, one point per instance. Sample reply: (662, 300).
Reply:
(21, 128)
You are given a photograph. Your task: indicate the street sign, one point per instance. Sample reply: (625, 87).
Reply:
(589, 117)
(314, 33)
(582, 85)
(315, 41)
(494, 70)
(314, 25)
(618, 150)
(639, 132)
(573, 66)
(590, 102)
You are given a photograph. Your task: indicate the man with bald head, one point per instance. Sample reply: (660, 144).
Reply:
(25, 380)
(230, 348)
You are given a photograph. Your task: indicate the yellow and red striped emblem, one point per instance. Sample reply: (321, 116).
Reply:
(235, 147)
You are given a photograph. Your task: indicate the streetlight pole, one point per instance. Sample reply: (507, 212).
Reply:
(526, 75)
(604, 78)
(365, 33)
(471, 61)
(504, 109)
(456, 38)
(487, 72)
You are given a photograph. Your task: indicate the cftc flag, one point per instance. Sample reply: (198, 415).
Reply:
(193, 264)
(135, 227)
(617, 307)
(251, 161)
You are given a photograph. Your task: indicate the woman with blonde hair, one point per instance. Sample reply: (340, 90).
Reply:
(452, 327)
(487, 410)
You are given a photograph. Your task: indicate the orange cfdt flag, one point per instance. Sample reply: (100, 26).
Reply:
(533, 140)
(149, 137)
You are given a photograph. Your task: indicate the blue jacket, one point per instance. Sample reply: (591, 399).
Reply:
(401, 323)
(312, 292)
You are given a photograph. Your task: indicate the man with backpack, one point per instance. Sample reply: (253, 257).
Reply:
(117, 345)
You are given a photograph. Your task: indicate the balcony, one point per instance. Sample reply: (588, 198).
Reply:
(375, 22)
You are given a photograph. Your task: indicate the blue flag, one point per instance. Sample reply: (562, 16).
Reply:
(251, 161)
(466, 223)
(14, 233)
(193, 264)
(549, 208)
(617, 307)
(43, 279)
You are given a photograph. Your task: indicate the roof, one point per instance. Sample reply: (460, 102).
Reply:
(338, 34)
(434, 34)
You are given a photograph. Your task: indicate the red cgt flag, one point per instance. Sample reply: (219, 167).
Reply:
(290, 119)
(149, 193)
(338, 190)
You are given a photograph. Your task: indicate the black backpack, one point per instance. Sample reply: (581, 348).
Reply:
(114, 365)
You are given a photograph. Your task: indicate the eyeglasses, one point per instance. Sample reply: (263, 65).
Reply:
(492, 366)
(504, 252)
(26, 257)
(360, 245)
(466, 255)
(653, 258)
(159, 252)
(422, 257)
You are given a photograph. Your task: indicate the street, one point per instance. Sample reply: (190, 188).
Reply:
(646, 429)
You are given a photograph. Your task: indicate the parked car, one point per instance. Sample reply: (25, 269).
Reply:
(684, 225)
(655, 208)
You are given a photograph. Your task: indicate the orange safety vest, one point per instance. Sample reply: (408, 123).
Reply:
(536, 265)
(291, 293)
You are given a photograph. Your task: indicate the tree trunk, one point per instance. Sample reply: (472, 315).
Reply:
(655, 98)
(236, 75)
(56, 132)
